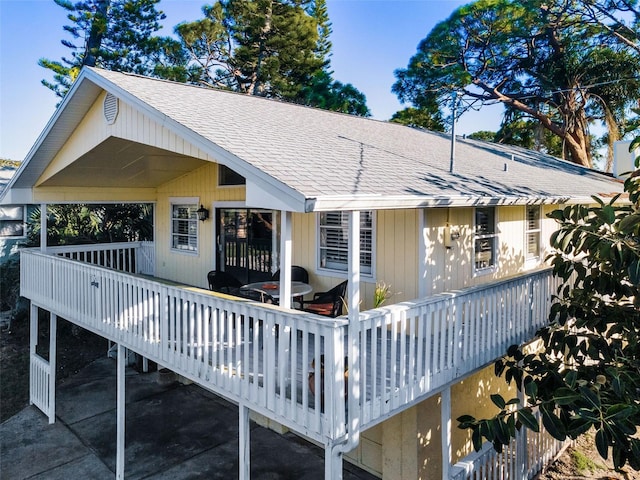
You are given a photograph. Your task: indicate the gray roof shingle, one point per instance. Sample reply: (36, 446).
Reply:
(332, 159)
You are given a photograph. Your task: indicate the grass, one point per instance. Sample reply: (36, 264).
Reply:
(583, 463)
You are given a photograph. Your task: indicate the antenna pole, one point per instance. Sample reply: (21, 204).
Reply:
(454, 113)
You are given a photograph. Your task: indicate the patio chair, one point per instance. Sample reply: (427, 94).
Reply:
(328, 303)
(298, 274)
(223, 282)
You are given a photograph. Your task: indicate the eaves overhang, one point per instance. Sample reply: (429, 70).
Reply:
(390, 202)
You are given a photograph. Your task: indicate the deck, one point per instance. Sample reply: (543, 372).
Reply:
(261, 355)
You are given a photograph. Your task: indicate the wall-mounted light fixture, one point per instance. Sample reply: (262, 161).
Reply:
(202, 213)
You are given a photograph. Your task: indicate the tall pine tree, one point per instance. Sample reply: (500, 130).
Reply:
(115, 35)
(272, 48)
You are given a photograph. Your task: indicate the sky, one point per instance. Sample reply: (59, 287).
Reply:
(371, 39)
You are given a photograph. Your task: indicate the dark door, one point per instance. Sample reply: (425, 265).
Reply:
(245, 243)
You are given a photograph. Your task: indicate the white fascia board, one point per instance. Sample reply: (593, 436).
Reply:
(87, 96)
(402, 202)
(374, 202)
(259, 197)
(17, 196)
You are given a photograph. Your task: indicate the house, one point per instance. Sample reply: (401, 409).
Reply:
(13, 218)
(461, 241)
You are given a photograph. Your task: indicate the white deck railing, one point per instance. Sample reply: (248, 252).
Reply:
(413, 348)
(522, 459)
(261, 355)
(39, 383)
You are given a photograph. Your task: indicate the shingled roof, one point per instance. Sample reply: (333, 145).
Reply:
(328, 160)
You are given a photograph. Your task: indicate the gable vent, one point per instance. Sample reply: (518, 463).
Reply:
(110, 108)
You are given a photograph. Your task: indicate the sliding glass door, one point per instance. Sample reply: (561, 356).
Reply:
(245, 243)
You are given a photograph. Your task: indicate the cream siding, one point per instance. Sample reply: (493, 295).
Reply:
(130, 124)
(182, 267)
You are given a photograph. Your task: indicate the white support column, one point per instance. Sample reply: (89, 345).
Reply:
(445, 430)
(286, 254)
(333, 455)
(53, 332)
(43, 227)
(244, 460)
(120, 411)
(332, 463)
(33, 343)
(423, 257)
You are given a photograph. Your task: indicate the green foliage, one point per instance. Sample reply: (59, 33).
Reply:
(558, 63)
(429, 118)
(115, 35)
(586, 371)
(381, 294)
(277, 49)
(484, 135)
(81, 224)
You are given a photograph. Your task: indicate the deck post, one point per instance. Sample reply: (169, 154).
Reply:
(286, 249)
(33, 343)
(43, 227)
(332, 463)
(120, 411)
(53, 327)
(244, 457)
(445, 430)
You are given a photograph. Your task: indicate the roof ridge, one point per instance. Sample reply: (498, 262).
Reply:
(278, 101)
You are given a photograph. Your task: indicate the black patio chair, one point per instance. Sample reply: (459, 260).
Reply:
(328, 303)
(298, 274)
(223, 282)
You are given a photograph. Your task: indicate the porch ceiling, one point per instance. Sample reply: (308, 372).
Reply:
(117, 162)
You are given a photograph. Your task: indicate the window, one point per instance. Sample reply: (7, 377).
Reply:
(184, 227)
(12, 221)
(532, 232)
(334, 241)
(227, 177)
(485, 239)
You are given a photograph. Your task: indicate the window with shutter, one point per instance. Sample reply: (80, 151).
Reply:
(333, 228)
(532, 232)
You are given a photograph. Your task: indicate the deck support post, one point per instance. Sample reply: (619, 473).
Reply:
(286, 255)
(120, 411)
(43, 227)
(445, 422)
(33, 343)
(53, 333)
(332, 463)
(244, 447)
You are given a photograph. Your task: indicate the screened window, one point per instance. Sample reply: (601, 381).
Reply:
(184, 227)
(485, 239)
(12, 221)
(532, 232)
(334, 241)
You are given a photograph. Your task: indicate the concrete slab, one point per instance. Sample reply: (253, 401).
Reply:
(30, 446)
(175, 432)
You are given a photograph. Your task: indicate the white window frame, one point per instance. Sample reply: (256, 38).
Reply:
(493, 235)
(366, 271)
(5, 217)
(184, 201)
(529, 257)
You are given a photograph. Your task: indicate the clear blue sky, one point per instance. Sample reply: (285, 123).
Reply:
(371, 39)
